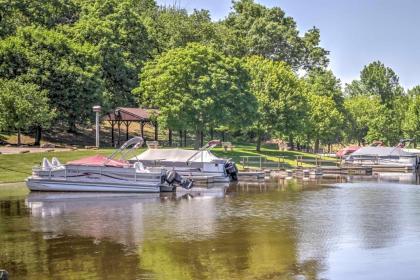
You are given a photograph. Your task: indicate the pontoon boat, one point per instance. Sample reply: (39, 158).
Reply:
(105, 174)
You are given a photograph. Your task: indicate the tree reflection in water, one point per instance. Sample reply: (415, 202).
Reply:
(281, 229)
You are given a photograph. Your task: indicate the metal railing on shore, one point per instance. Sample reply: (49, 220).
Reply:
(262, 162)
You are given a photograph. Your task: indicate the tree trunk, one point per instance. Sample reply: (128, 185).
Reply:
(201, 139)
(197, 139)
(211, 133)
(72, 126)
(170, 137)
(19, 142)
(291, 144)
(258, 148)
(316, 146)
(180, 138)
(185, 138)
(38, 134)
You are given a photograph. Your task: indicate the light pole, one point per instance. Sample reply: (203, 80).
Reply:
(97, 110)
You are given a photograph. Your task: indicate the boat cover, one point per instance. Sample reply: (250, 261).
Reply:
(176, 155)
(381, 152)
(99, 160)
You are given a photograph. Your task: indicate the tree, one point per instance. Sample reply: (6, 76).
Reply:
(281, 103)
(23, 105)
(381, 85)
(411, 123)
(171, 27)
(325, 120)
(197, 87)
(361, 111)
(326, 114)
(46, 13)
(252, 29)
(65, 69)
(378, 80)
(117, 30)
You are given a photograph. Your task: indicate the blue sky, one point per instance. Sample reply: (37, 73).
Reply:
(356, 32)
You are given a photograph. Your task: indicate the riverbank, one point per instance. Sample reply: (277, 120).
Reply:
(16, 167)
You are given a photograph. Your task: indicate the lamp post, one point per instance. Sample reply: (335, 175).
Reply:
(97, 110)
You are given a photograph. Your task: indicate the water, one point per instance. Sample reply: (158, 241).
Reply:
(368, 229)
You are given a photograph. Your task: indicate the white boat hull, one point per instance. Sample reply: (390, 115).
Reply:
(70, 186)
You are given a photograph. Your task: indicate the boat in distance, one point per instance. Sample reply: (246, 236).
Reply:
(105, 174)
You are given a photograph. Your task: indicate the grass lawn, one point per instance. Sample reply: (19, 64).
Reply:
(16, 167)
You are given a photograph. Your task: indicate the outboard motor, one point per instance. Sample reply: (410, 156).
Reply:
(231, 170)
(172, 177)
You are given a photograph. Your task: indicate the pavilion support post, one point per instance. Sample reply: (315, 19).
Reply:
(142, 130)
(170, 137)
(127, 125)
(119, 132)
(112, 133)
(156, 131)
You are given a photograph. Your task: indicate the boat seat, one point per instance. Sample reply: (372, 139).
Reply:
(46, 164)
(55, 162)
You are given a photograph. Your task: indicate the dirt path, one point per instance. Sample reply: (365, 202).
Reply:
(18, 150)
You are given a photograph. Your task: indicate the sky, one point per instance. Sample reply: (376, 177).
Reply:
(356, 32)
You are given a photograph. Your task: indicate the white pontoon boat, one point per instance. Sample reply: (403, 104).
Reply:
(104, 174)
(383, 157)
(191, 163)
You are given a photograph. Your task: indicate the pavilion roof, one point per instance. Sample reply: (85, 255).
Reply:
(130, 114)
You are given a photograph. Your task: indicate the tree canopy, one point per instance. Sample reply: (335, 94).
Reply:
(196, 87)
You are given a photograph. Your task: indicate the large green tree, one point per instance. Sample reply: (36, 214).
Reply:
(381, 86)
(46, 13)
(65, 69)
(197, 87)
(411, 123)
(116, 29)
(326, 115)
(253, 29)
(280, 98)
(22, 106)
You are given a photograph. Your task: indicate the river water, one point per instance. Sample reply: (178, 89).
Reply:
(340, 228)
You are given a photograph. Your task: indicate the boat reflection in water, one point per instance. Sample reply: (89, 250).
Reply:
(123, 218)
(276, 229)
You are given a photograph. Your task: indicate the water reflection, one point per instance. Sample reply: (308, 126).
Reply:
(326, 228)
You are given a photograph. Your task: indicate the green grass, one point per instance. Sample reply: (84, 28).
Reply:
(271, 155)
(17, 167)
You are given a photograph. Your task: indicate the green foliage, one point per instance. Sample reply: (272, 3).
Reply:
(196, 87)
(326, 114)
(382, 116)
(281, 103)
(379, 80)
(253, 29)
(123, 43)
(361, 111)
(64, 68)
(411, 124)
(170, 28)
(47, 13)
(23, 105)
